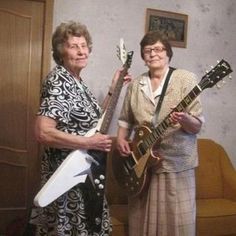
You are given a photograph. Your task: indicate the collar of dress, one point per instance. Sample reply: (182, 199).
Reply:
(146, 87)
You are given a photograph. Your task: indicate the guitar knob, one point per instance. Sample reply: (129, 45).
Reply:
(101, 177)
(140, 133)
(97, 181)
(101, 186)
(97, 221)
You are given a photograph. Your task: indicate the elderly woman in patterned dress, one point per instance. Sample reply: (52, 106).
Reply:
(68, 110)
(168, 207)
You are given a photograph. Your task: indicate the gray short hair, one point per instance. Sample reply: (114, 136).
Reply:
(61, 35)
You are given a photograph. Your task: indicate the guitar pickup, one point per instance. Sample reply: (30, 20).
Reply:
(130, 162)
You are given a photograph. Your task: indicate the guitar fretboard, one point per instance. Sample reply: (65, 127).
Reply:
(159, 131)
(111, 107)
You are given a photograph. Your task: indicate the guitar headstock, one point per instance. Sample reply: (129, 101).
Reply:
(124, 56)
(121, 51)
(215, 75)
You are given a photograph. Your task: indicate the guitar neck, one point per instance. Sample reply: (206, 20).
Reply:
(113, 102)
(158, 132)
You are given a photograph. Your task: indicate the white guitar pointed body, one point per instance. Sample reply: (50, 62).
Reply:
(73, 170)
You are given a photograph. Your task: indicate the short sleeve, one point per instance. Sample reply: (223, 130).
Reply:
(55, 102)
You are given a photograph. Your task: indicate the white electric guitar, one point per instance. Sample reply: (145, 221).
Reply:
(78, 164)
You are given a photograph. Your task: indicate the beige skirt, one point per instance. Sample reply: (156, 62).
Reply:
(168, 208)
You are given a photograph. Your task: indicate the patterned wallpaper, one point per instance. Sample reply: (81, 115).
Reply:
(210, 37)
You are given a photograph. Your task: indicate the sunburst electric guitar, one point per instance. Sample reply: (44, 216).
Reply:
(78, 164)
(132, 172)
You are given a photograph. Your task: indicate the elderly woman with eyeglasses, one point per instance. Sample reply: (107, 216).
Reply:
(168, 206)
(67, 112)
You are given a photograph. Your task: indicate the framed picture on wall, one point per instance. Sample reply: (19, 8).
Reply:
(173, 25)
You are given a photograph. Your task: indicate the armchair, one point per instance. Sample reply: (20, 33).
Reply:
(215, 191)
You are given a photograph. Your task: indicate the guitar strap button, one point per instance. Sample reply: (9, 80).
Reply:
(98, 221)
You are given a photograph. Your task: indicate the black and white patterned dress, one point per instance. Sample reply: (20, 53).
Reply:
(76, 111)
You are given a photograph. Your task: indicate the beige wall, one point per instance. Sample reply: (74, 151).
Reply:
(211, 31)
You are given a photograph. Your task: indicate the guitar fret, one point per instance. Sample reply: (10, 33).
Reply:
(196, 90)
(158, 133)
(180, 107)
(149, 142)
(188, 99)
(155, 136)
(162, 127)
(152, 138)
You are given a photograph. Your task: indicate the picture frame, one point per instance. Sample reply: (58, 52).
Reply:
(173, 25)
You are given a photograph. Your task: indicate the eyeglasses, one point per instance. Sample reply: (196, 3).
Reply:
(148, 51)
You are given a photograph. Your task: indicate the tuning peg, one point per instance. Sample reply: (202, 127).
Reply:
(230, 77)
(118, 53)
(220, 84)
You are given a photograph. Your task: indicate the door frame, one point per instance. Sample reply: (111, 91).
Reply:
(45, 68)
(48, 25)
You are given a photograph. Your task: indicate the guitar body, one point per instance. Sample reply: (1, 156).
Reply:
(132, 172)
(73, 170)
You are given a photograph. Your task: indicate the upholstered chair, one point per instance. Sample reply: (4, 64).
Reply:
(216, 191)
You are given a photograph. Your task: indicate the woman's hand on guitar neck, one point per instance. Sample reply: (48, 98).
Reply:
(127, 78)
(100, 142)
